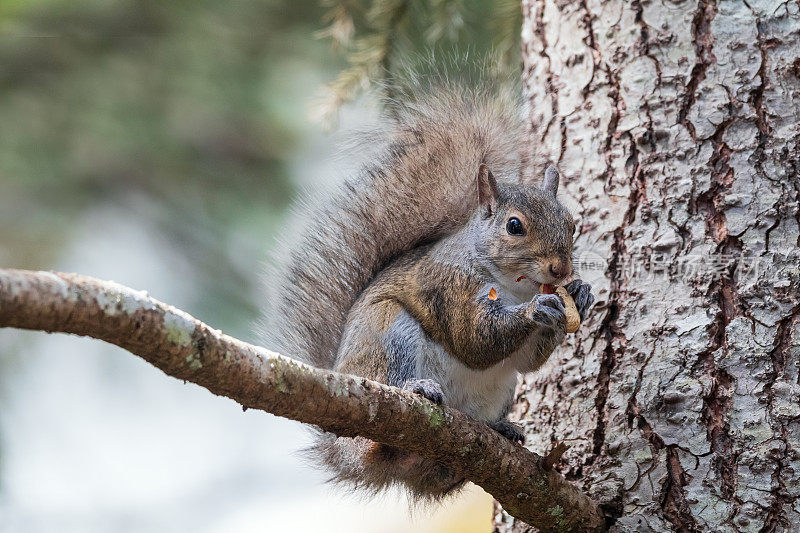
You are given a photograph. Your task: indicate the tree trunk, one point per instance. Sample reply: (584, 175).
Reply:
(677, 128)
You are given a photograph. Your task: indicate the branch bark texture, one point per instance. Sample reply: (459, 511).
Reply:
(187, 349)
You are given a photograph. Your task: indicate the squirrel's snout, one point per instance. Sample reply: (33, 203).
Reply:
(560, 269)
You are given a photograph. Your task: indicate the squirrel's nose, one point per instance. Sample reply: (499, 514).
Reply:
(560, 270)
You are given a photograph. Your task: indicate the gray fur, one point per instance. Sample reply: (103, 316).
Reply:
(550, 185)
(423, 479)
(403, 345)
(419, 186)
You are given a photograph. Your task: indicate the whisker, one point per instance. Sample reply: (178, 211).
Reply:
(515, 258)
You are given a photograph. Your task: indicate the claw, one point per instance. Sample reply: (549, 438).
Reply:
(582, 295)
(427, 388)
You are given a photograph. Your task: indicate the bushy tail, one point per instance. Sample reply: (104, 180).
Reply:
(419, 186)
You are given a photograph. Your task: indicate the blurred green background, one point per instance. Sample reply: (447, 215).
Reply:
(161, 144)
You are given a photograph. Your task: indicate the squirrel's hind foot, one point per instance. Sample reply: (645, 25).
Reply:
(427, 388)
(509, 430)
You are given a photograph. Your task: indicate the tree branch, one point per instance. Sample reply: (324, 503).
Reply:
(185, 348)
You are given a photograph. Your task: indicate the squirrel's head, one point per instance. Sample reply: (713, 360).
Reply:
(523, 230)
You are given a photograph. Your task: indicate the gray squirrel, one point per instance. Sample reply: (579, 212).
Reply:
(409, 273)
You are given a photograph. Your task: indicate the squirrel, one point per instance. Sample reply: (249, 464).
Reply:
(409, 274)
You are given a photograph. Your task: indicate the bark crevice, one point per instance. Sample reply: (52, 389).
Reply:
(703, 43)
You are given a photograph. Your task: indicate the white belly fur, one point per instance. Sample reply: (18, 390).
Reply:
(482, 394)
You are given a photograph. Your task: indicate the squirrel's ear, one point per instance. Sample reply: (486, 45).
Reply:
(487, 191)
(550, 185)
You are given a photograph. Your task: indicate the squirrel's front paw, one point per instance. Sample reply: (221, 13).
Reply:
(582, 295)
(509, 430)
(427, 388)
(548, 310)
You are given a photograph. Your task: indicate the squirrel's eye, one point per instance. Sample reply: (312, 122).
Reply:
(514, 227)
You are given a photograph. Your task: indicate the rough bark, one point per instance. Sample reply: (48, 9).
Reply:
(185, 348)
(677, 127)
